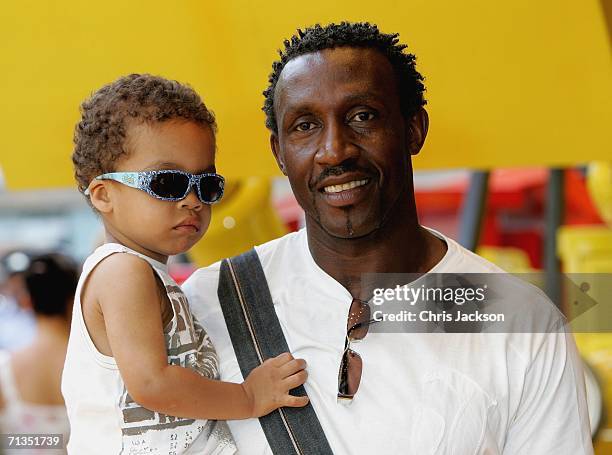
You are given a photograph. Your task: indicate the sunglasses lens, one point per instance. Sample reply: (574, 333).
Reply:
(211, 188)
(358, 320)
(171, 185)
(350, 374)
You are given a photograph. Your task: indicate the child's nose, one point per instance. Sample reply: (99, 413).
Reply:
(191, 201)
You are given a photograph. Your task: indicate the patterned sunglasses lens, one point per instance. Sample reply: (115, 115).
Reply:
(211, 188)
(171, 185)
(350, 374)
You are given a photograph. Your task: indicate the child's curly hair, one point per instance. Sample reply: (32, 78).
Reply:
(99, 138)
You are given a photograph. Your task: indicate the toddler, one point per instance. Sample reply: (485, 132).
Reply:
(140, 372)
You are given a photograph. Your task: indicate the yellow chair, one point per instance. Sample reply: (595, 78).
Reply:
(244, 218)
(511, 259)
(599, 183)
(585, 249)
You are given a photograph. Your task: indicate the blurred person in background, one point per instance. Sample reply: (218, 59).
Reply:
(30, 397)
(17, 323)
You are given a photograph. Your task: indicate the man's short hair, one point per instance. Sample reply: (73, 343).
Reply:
(99, 137)
(347, 34)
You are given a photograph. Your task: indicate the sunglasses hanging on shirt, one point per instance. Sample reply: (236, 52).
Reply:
(351, 366)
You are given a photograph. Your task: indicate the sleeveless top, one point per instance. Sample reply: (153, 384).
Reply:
(104, 419)
(18, 416)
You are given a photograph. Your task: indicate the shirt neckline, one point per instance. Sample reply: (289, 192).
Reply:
(451, 248)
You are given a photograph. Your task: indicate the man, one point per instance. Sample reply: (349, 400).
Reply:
(345, 112)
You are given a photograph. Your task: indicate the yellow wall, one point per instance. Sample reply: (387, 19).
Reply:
(519, 82)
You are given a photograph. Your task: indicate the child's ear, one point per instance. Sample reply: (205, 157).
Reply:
(274, 145)
(100, 197)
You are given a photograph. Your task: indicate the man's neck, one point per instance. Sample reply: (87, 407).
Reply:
(393, 248)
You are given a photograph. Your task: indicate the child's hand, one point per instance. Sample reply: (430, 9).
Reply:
(267, 386)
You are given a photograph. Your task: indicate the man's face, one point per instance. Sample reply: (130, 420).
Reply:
(342, 139)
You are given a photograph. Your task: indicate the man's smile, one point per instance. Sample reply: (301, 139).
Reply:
(345, 186)
(346, 193)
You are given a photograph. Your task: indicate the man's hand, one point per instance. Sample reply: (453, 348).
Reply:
(267, 386)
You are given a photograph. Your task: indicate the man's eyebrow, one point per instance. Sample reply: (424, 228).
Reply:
(354, 98)
(366, 97)
(300, 109)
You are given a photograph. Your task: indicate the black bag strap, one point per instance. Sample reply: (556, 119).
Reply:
(256, 335)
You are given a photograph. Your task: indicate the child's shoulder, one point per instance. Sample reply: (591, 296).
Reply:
(120, 262)
(121, 269)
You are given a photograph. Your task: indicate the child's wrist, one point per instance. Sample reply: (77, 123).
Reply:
(249, 400)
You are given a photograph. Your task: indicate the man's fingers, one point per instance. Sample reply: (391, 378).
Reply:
(295, 402)
(291, 367)
(295, 380)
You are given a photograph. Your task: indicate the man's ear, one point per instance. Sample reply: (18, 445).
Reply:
(100, 196)
(274, 145)
(416, 131)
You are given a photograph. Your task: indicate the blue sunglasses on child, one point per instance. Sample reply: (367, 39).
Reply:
(170, 185)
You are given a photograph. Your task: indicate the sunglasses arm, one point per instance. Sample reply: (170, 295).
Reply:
(131, 179)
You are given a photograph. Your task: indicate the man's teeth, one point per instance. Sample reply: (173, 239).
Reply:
(345, 186)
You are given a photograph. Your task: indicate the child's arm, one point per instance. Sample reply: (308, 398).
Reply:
(126, 289)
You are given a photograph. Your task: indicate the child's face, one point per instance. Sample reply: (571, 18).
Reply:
(149, 225)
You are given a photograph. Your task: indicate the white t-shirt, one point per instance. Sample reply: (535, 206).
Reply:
(104, 418)
(420, 393)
